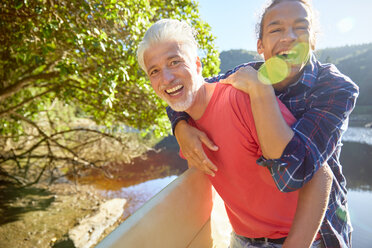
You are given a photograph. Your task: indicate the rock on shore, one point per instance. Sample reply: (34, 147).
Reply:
(90, 229)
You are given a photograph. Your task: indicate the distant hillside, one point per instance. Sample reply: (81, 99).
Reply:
(334, 55)
(230, 59)
(353, 61)
(359, 68)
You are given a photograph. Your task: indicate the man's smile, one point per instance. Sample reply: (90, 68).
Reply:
(174, 90)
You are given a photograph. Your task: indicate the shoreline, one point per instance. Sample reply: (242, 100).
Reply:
(42, 216)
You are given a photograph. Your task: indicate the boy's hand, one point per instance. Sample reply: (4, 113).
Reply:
(243, 79)
(190, 141)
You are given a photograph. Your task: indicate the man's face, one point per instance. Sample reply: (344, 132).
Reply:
(286, 34)
(174, 74)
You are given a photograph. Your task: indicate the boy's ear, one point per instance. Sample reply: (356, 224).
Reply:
(260, 48)
(313, 43)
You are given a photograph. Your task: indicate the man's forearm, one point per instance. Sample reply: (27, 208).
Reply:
(311, 207)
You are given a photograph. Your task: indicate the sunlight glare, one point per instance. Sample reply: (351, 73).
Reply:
(221, 227)
(277, 68)
(273, 71)
(346, 24)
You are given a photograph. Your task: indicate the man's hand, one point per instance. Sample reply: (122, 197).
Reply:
(190, 141)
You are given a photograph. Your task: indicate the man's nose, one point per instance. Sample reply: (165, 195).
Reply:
(168, 76)
(289, 35)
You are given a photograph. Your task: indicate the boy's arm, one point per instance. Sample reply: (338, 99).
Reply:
(311, 207)
(190, 141)
(294, 153)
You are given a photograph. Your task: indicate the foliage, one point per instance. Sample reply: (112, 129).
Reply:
(59, 143)
(84, 52)
(81, 53)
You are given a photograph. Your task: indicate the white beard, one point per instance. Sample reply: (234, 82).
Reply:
(182, 106)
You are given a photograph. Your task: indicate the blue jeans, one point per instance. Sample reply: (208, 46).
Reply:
(238, 241)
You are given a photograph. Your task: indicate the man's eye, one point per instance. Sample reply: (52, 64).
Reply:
(175, 62)
(153, 72)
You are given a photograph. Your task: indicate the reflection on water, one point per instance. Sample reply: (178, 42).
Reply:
(137, 195)
(162, 161)
(356, 159)
(140, 180)
(360, 205)
(358, 134)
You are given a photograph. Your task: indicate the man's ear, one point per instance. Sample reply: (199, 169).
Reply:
(260, 48)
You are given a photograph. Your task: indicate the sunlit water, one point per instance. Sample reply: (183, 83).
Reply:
(358, 134)
(356, 159)
(137, 195)
(360, 206)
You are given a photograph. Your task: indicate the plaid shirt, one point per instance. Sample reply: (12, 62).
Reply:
(321, 101)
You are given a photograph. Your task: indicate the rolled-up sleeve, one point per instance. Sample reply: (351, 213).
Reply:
(175, 117)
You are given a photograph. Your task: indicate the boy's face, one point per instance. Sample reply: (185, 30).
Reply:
(175, 76)
(286, 34)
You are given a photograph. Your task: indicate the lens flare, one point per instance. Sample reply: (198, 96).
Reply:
(342, 214)
(277, 68)
(301, 53)
(273, 71)
(346, 24)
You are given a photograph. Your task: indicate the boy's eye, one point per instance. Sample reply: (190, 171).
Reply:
(275, 30)
(301, 28)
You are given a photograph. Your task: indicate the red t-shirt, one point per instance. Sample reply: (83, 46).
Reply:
(255, 206)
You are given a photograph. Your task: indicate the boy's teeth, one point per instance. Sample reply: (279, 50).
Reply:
(170, 91)
(286, 53)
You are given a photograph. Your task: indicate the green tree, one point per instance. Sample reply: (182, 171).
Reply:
(83, 53)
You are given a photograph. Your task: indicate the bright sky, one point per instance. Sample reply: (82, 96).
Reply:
(342, 22)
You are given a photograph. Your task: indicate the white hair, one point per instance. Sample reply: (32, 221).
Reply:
(168, 30)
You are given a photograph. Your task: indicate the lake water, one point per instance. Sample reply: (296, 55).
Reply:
(358, 134)
(356, 158)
